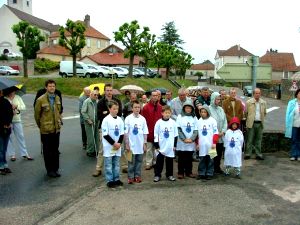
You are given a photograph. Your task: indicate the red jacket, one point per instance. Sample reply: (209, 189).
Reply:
(152, 113)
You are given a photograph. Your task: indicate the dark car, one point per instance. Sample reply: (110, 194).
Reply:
(247, 91)
(150, 73)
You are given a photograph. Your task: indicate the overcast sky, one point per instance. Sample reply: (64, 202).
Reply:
(205, 26)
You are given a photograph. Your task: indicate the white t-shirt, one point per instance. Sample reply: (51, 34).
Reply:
(207, 128)
(188, 125)
(136, 128)
(165, 133)
(233, 142)
(114, 127)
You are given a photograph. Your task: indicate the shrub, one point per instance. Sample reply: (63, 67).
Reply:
(45, 65)
(3, 57)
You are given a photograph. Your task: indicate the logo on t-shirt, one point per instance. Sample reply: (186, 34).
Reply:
(135, 130)
(232, 143)
(117, 131)
(204, 131)
(188, 128)
(166, 133)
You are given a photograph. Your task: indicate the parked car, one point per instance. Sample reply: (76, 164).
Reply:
(247, 91)
(149, 73)
(118, 72)
(82, 69)
(104, 71)
(7, 70)
(13, 55)
(137, 73)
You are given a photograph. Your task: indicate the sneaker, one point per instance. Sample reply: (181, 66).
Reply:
(292, 158)
(138, 179)
(156, 179)
(97, 173)
(130, 180)
(111, 184)
(171, 178)
(118, 183)
(180, 176)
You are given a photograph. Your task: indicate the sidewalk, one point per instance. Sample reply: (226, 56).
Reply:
(268, 193)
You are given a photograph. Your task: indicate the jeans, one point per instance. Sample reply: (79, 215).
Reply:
(3, 148)
(17, 129)
(295, 148)
(160, 165)
(135, 166)
(206, 166)
(254, 139)
(150, 156)
(112, 168)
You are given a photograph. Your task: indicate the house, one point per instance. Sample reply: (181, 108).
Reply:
(111, 56)
(206, 68)
(14, 12)
(283, 64)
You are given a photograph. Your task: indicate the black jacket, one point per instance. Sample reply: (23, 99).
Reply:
(103, 111)
(6, 116)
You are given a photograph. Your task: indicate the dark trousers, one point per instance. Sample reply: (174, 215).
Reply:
(217, 160)
(50, 151)
(160, 165)
(83, 135)
(185, 162)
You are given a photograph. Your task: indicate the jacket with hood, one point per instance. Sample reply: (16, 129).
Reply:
(187, 129)
(207, 133)
(218, 114)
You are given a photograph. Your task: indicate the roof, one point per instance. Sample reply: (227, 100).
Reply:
(235, 50)
(280, 61)
(203, 66)
(54, 50)
(43, 24)
(89, 32)
(104, 58)
(112, 49)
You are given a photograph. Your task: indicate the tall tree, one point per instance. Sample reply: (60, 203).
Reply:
(132, 39)
(29, 38)
(170, 35)
(147, 50)
(182, 62)
(72, 38)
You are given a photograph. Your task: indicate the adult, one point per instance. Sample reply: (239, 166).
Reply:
(218, 114)
(160, 98)
(152, 113)
(127, 98)
(256, 110)
(223, 96)
(178, 102)
(42, 91)
(144, 100)
(48, 118)
(127, 109)
(86, 94)
(232, 106)
(201, 100)
(6, 116)
(91, 123)
(168, 97)
(102, 109)
(17, 128)
(292, 125)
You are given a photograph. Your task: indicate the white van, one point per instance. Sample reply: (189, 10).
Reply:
(82, 70)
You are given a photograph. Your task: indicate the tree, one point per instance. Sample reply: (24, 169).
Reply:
(29, 38)
(170, 35)
(182, 62)
(130, 37)
(147, 50)
(72, 38)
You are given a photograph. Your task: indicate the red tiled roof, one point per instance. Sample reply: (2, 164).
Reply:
(54, 50)
(203, 66)
(103, 58)
(89, 32)
(110, 47)
(280, 61)
(234, 51)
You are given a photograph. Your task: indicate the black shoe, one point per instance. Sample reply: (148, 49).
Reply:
(51, 174)
(57, 174)
(7, 170)
(238, 176)
(219, 171)
(200, 177)
(259, 157)
(209, 177)
(2, 172)
(91, 154)
(247, 157)
(118, 183)
(111, 184)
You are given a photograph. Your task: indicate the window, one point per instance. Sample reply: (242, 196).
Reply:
(27, 3)
(88, 42)
(14, 1)
(55, 41)
(98, 44)
(285, 75)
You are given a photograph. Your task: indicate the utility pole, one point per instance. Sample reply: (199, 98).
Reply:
(254, 71)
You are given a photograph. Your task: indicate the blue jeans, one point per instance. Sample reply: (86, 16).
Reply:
(295, 150)
(206, 166)
(112, 168)
(3, 148)
(135, 166)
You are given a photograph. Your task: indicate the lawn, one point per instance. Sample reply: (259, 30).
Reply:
(74, 86)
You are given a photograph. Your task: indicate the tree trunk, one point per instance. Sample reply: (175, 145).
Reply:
(131, 58)
(167, 73)
(74, 66)
(25, 68)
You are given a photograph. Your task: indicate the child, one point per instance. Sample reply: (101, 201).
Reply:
(233, 143)
(165, 140)
(136, 131)
(207, 139)
(112, 137)
(187, 132)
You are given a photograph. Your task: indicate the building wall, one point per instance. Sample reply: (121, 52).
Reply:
(56, 58)
(94, 48)
(206, 73)
(21, 5)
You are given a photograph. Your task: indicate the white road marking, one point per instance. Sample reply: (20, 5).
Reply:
(272, 108)
(291, 193)
(70, 117)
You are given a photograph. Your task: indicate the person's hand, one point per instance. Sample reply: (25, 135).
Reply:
(213, 146)
(117, 145)
(89, 121)
(145, 147)
(14, 106)
(221, 134)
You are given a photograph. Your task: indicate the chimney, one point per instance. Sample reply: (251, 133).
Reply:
(87, 20)
(239, 48)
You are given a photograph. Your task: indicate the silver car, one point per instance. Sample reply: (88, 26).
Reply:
(7, 70)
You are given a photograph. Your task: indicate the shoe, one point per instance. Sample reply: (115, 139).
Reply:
(91, 154)
(137, 179)
(226, 174)
(51, 174)
(191, 175)
(13, 158)
(58, 174)
(84, 147)
(130, 180)
(156, 179)
(2, 172)
(171, 178)
(180, 176)
(97, 173)
(200, 177)
(124, 170)
(209, 177)
(118, 183)
(247, 157)
(292, 158)
(148, 167)
(238, 176)
(219, 171)
(111, 184)
(259, 157)
(27, 157)
(7, 170)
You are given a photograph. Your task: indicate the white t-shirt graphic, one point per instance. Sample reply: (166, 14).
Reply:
(187, 124)
(207, 128)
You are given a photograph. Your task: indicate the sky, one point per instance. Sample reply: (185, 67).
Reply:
(204, 26)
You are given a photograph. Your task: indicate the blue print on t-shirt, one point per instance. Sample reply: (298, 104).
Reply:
(232, 143)
(204, 131)
(116, 132)
(135, 130)
(166, 133)
(188, 128)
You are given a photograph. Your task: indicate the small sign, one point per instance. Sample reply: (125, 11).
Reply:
(294, 86)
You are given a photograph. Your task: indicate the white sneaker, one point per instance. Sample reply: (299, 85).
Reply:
(171, 178)
(156, 179)
(292, 159)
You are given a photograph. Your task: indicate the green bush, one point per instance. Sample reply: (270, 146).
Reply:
(45, 65)
(3, 57)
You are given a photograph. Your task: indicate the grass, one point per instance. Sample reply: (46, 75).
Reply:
(74, 86)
